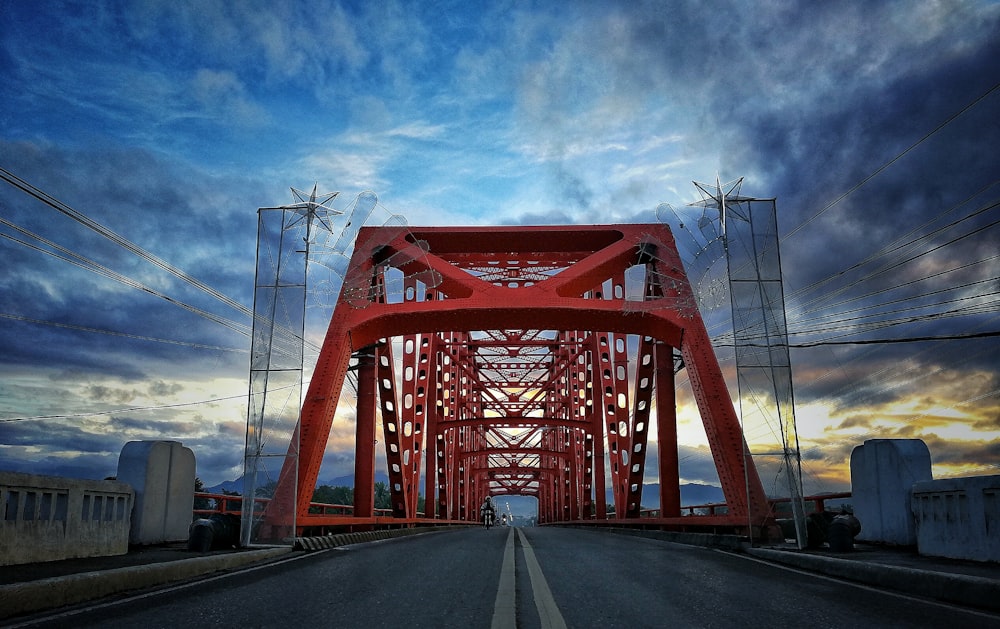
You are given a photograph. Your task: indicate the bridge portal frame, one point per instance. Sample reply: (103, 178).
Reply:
(439, 323)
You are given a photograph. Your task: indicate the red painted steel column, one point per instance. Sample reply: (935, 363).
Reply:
(431, 463)
(364, 459)
(666, 432)
(596, 417)
(391, 427)
(643, 392)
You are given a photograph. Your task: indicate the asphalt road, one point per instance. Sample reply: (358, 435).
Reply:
(535, 577)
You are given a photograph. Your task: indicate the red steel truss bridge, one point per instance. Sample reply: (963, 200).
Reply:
(519, 360)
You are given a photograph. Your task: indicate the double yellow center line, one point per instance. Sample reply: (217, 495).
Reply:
(505, 605)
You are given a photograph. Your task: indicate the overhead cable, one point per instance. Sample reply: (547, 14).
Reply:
(139, 337)
(84, 220)
(861, 183)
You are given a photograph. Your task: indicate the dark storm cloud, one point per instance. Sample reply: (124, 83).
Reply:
(951, 452)
(573, 188)
(75, 434)
(808, 102)
(825, 149)
(177, 215)
(990, 424)
(606, 101)
(161, 388)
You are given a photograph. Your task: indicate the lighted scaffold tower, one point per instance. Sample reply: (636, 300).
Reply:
(277, 354)
(748, 232)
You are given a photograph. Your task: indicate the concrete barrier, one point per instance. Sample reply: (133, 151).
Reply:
(47, 518)
(162, 473)
(958, 517)
(883, 472)
(34, 596)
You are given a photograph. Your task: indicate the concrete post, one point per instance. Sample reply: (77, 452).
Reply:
(883, 472)
(162, 474)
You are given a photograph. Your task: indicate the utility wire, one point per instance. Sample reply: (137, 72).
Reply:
(79, 217)
(893, 265)
(132, 409)
(826, 323)
(139, 337)
(135, 409)
(895, 245)
(89, 265)
(281, 332)
(993, 280)
(879, 170)
(912, 339)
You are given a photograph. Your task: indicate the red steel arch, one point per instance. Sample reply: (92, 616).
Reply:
(514, 376)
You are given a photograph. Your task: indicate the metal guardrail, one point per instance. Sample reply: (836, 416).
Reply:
(230, 504)
(817, 502)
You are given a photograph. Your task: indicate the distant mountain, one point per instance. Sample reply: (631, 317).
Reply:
(694, 494)
(691, 494)
(234, 485)
(262, 479)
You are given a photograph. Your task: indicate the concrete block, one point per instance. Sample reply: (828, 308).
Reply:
(162, 474)
(883, 472)
(48, 518)
(958, 517)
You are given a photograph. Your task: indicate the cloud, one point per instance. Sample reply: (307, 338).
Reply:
(223, 94)
(172, 122)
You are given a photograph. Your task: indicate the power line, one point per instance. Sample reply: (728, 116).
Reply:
(993, 280)
(912, 339)
(95, 267)
(896, 244)
(893, 160)
(84, 220)
(893, 265)
(85, 263)
(121, 410)
(139, 337)
(134, 409)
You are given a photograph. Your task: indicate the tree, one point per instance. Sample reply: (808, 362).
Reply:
(383, 500)
(339, 495)
(199, 502)
(267, 490)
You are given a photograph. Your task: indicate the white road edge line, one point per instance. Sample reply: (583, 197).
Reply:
(505, 605)
(548, 611)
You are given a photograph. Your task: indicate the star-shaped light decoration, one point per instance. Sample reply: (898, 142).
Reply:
(309, 206)
(719, 196)
(313, 206)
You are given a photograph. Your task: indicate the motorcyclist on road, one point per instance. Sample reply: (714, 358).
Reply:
(487, 510)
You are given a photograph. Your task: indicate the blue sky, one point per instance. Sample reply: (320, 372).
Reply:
(171, 122)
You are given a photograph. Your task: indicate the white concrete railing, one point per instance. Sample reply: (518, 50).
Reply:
(46, 518)
(958, 517)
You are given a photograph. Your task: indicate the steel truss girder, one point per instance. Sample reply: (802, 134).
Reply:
(461, 388)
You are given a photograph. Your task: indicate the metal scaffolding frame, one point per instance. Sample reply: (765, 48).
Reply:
(749, 232)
